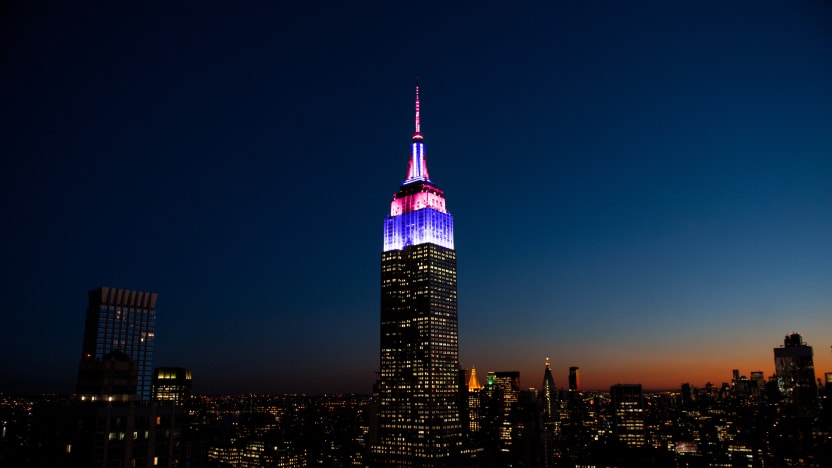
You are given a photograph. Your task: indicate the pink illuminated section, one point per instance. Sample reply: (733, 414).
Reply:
(417, 201)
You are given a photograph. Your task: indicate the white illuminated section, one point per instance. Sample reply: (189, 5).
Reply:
(417, 168)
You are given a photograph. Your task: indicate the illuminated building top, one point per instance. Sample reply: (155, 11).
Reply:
(474, 383)
(417, 212)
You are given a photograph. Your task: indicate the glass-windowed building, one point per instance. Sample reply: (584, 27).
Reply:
(172, 384)
(628, 414)
(418, 390)
(123, 321)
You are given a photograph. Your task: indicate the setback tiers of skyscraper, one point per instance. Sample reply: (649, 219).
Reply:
(418, 390)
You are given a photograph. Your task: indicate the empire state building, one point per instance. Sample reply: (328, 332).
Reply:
(418, 388)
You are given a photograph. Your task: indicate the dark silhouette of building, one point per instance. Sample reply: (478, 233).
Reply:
(574, 379)
(795, 371)
(114, 377)
(418, 389)
(123, 321)
(101, 433)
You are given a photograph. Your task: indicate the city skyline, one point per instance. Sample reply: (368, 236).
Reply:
(641, 192)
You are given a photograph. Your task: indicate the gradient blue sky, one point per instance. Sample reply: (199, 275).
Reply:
(641, 189)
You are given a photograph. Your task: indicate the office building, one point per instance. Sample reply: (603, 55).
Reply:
(418, 412)
(506, 390)
(120, 321)
(795, 371)
(574, 379)
(115, 423)
(628, 414)
(172, 384)
(474, 402)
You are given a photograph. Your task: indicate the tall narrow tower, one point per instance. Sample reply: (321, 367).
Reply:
(418, 390)
(548, 395)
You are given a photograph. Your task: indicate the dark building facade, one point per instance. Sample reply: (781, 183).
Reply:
(574, 378)
(418, 389)
(795, 371)
(105, 434)
(115, 376)
(121, 321)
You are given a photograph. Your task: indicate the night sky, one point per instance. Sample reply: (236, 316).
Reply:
(641, 189)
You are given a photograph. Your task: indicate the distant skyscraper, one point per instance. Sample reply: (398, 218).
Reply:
(506, 386)
(628, 414)
(795, 371)
(172, 384)
(119, 321)
(474, 402)
(418, 389)
(474, 382)
(548, 394)
(574, 379)
(549, 408)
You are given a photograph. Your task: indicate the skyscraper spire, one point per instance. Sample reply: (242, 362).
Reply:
(418, 123)
(547, 394)
(474, 383)
(417, 168)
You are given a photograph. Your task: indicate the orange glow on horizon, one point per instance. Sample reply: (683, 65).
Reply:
(658, 372)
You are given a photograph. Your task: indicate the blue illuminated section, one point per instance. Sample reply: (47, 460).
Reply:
(425, 226)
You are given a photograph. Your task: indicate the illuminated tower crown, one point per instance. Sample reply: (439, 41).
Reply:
(417, 212)
(474, 383)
